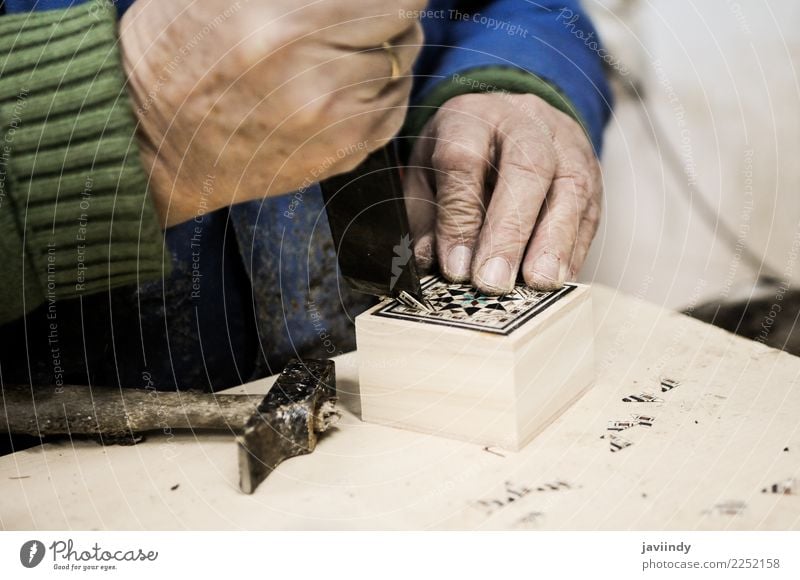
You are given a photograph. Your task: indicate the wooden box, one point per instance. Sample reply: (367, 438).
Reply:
(491, 370)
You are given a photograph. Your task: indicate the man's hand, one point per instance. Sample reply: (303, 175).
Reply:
(499, 181)
(240, 100)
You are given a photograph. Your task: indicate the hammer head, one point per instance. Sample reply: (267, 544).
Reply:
(299, 405)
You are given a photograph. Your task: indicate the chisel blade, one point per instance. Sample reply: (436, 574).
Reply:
(368, 221)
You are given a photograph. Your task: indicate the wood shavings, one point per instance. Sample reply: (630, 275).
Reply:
(642, 398)
(786, 487)
(668, 384)
(619, 443)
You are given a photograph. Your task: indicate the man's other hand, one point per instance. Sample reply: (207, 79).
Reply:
(240, 100)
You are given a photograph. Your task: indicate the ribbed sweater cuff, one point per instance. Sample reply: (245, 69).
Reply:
(74, 209)
(487, 80)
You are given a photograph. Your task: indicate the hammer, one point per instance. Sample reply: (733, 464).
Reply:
(268, 429)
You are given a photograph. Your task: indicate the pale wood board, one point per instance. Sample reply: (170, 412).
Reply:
(717, 439)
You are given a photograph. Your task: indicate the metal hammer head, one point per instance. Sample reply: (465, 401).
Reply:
(299, 405)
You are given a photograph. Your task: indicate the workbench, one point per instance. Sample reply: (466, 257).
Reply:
(721, 450)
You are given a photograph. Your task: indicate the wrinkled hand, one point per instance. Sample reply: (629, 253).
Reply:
(498, 182)
(263, 96)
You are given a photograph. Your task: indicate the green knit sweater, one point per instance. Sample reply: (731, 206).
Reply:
(75, 214)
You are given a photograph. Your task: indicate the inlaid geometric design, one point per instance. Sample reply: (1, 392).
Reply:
(463, 306)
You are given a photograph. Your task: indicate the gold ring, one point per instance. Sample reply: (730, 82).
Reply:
(392, 57)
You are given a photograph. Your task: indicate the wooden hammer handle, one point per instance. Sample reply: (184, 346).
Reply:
(83, 410)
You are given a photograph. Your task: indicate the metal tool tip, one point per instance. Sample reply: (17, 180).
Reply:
(412, 302)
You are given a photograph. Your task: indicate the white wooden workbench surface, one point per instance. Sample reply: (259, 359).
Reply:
(727, 433)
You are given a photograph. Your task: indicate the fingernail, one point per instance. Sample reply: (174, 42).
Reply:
(496, 274)
(548, 272)
(458, 263)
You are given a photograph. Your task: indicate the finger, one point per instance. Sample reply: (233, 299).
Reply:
(577, 155)
(460, 159)
(568, 220)
(420, 202)
(527, 166)
(377, 68)
(586, 232)
(368, 74)
(405, 48)
(388, 106)
(386, 114)
(368, 128)
(547, 262)
(368, 23)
